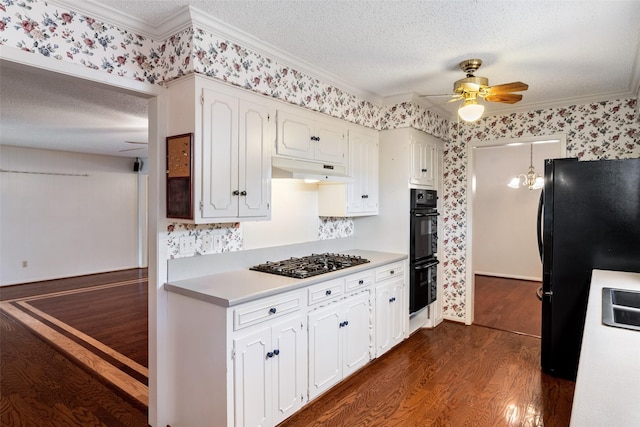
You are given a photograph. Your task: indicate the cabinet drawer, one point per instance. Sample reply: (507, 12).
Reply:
(358, 281)
(325, 291)
(266, 309)
(389, 271)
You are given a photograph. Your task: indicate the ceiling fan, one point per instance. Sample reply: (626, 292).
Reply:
(134, 149)
(473, 87)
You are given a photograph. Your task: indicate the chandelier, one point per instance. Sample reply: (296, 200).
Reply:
(531, 180)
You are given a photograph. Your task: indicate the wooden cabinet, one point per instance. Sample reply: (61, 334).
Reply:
(360, 196)
(310, 136)
(233, 135)
(270, 373)
(339, 341)
(391, 309)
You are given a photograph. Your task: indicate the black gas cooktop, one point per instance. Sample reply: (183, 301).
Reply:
(312, 265)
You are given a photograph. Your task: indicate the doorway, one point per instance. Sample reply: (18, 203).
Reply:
(153, 95)
(506, 266)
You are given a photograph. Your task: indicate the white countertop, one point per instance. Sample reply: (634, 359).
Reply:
(607, 389)
(236, 287)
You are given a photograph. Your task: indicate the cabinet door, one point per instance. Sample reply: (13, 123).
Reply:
(356, 332)
(331, 142)
(397, 312)
(289, 368)
(219, 155)
(252, 370)
(371, 176)
(254, 162)
(422, 155)
(325, 349)
(362, 193)
(383, 303)
(294, 135)
(357, 170)
(389, 315)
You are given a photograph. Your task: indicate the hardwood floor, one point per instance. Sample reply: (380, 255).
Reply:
(39, 386)
(69, 283)
(453, 375)
(508, 304)
(74, 355)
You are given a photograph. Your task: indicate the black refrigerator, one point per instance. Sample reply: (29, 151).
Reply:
(589, 218)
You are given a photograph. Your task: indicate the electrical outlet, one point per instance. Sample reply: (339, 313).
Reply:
(217, 242)
(207, 243)
(187, 245)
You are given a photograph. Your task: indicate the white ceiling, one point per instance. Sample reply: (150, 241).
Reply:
(42, 109)
(567, 51)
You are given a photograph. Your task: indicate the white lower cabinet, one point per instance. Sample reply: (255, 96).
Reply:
(270, 373)
(339, 341)
(256, 363)
(390, 314)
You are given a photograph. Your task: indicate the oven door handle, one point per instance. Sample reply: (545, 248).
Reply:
(425, 266)
(429, 214)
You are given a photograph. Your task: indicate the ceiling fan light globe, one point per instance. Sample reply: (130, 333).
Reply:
(470, 112)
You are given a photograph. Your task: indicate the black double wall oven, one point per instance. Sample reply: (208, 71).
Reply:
(423, 249)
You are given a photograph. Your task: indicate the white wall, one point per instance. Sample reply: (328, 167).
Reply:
(504, 219)
(65, 225)
(294, 216)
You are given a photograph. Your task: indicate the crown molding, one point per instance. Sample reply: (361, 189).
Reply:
(221, 29)
(190, 16)
(109, 15)
(388, 101)
(497, 110)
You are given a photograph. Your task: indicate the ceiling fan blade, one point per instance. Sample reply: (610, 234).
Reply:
(507, 87)
(507, 98)
(438, 95)
(136, 142)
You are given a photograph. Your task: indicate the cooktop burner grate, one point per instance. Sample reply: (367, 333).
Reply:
(311, 265)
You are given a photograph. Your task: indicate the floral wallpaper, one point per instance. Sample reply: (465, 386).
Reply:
(602, 130)
(335, 228)
(230, 238)
(594, 131)
(238, 65)
(231, 235)
(39, 27)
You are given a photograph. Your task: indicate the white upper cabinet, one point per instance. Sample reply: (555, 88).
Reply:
(410, 156)
(423, 160)
(310, 136)
(233, 132)
(360, 196)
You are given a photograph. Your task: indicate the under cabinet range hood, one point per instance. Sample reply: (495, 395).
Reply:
(303, 169)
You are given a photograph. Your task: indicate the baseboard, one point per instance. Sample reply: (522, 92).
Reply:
(509, 276)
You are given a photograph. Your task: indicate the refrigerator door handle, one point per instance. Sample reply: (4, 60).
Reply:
(539, 225)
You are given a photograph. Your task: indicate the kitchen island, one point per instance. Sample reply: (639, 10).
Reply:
(606, 392)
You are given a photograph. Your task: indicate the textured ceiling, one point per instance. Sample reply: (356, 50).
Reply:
(567, 51)
(562, 49)
(42, 109)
